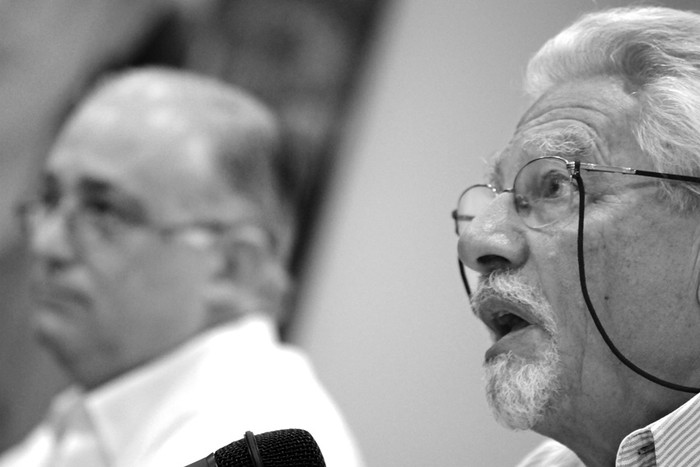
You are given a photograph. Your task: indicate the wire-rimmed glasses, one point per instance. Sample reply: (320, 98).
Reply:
(542, 194)
(545, 190)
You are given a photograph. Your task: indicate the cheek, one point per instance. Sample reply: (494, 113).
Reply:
(578, 341)
(145, 282)
(638, 272)
(611, 259)
(152, 302)
(558, 270)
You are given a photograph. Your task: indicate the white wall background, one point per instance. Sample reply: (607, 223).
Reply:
(383, 314)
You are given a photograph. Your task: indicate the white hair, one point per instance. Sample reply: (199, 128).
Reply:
(656, 52)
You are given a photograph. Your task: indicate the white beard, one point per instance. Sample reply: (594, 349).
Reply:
(520, 392)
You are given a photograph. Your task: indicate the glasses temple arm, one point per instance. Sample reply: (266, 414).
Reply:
(630, 171)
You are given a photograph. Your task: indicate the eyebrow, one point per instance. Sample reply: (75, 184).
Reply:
(129, 205)
(495, 173)
(87, 185)
(570, 143)
(94, 188)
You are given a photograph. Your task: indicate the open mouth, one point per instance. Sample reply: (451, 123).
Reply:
(515, 328)
(58, 297)
(504, 317)
(504, 322)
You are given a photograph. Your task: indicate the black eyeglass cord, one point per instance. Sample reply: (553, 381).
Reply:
(464, 279)
(594, 315)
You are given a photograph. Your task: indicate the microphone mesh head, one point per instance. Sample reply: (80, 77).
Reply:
(281, 448)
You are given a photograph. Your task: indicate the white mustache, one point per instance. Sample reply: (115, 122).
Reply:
(511, 286)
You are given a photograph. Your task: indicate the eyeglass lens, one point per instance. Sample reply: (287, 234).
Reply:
(473, 202)
(84, 224)
(543, 193)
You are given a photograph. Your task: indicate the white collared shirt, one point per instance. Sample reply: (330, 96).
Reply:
(199, 398)
(671, 441)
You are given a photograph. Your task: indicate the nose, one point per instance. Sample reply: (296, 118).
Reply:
(50, 240)
(494, 240)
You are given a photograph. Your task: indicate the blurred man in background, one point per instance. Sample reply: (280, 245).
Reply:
(300, 57)
(160, 239)
(596, 333)
(51, 51)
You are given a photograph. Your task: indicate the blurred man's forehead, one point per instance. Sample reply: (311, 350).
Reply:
(163, 175)
(168, 117)
(135, 133)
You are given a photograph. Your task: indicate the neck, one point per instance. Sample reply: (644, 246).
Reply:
(593, 430)
(599, 450)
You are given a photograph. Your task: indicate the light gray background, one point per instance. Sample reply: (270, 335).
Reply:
(383, 313)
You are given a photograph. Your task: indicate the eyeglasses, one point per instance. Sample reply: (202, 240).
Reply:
(97, 220)
(545, 190)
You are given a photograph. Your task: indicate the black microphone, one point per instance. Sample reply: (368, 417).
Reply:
(282, 448)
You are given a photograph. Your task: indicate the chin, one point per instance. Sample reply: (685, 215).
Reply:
(50, 326)
(57, 334)
(522, 391)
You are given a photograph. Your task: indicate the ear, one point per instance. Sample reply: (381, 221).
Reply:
(239, 279)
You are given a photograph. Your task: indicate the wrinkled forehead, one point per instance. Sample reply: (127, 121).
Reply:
(572, 142)
(592, 119)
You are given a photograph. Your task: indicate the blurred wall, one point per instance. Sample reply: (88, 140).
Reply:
(383, 312)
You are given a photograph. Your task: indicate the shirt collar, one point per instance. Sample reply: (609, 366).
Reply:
(676, 434)
(123, 406)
